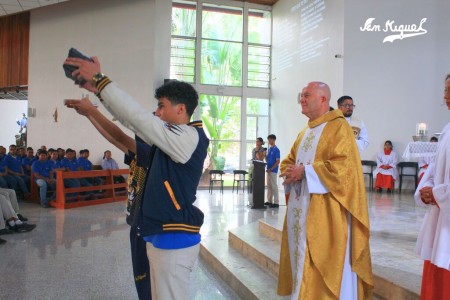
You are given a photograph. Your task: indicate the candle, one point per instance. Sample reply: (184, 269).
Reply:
(421, 128)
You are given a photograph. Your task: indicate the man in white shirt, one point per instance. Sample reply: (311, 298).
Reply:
(345, 104)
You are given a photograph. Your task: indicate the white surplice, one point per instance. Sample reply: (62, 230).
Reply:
(425, 161)
(387, 160)
(433, 242)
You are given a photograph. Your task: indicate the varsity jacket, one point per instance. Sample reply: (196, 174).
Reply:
(175, 167)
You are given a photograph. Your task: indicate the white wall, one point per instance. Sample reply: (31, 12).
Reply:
(132, 41)
(291, 74)
(396, 85)
(10, 111)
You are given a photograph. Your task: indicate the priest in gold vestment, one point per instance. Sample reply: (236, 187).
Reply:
(325, 250)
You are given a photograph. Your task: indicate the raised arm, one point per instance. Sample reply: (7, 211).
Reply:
(107, 128)
(177, 141)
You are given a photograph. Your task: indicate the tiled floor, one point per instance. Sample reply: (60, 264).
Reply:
(83, 253)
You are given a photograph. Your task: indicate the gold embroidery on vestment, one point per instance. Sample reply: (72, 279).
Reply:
(308, 142)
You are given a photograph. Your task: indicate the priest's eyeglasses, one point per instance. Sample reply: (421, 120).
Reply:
(348, 106)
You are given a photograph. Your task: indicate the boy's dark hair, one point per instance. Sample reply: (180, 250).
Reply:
(40, 151)
(179, 92)
(272, 136)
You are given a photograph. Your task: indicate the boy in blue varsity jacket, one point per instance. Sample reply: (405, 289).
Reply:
(167, 218)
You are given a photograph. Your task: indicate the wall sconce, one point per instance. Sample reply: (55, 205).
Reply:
(31, 112)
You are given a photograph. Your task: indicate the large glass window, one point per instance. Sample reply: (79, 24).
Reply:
(259, 27)
(257, 123)
(221, 63)
(221, 116)
(182, 55)
(211, 50)
(221, 45)
(258, 66)
(259, 40)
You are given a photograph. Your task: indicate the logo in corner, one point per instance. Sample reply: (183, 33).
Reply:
(399, 32)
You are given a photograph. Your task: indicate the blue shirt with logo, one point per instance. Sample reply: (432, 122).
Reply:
(273, 153)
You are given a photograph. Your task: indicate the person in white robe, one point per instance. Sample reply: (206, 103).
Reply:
(345, 104)
(386, 172)
(433, 242)
(425, 161)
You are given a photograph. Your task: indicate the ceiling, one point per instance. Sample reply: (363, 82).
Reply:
(8, 7)
(14, 93)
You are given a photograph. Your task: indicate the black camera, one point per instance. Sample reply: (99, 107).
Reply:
(68, 69)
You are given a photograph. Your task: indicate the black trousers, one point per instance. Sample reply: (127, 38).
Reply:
(141, 268)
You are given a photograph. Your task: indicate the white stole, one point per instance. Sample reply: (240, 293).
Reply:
(298, 207)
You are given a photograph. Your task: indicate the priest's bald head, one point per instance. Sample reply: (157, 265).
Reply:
(315, 99)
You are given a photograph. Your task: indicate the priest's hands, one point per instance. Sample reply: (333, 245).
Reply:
(426, 195)
(294, 173)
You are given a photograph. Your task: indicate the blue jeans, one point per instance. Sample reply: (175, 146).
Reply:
(11, 181)
(72, 183)
(24, 183)
(3, 183)
(43, 186)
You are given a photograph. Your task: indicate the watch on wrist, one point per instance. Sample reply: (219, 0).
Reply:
(97, 77)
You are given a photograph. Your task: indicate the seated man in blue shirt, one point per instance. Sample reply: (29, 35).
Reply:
(42, 170)
(6, 180)
(86, 165)
(70, 163)
(14, 168)
(28, 161)
(20, 154)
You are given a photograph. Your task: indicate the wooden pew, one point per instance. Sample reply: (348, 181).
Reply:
(109, 190)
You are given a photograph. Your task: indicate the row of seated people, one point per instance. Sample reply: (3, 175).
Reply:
(15, 170)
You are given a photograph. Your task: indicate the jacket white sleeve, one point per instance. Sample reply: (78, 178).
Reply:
(177, 141)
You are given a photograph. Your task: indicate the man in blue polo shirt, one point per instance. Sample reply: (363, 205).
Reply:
(70, 163)
(83, 161)
(28, 161)
(86, 165)
(6, 180)
(42, 170)
(273, 160)
(14, 168)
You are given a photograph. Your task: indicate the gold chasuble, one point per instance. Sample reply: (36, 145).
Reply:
(338, 166)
